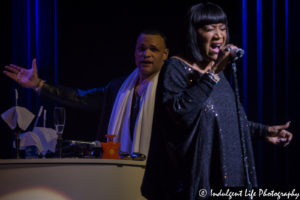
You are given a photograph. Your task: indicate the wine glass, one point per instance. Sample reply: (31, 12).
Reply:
(59, 123)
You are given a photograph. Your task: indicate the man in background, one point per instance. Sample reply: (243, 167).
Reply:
(126, 104)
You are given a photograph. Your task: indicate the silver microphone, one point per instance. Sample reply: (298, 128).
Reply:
(235, 53)
(238, 53)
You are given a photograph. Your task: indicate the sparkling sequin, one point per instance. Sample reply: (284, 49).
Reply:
(210, 107)
(188, 69)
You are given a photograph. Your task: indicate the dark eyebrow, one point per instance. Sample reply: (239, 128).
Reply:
(153, 46)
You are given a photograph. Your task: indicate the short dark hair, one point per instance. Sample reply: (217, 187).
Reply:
(154, 32)
(198, 16)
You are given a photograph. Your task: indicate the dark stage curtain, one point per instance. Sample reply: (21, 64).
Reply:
(33, 34)
(268, 81)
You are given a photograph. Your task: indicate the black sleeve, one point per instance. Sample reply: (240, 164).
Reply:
(84, 99)
(183, 93)
(257, 129)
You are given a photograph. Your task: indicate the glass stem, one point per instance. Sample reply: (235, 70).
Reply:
(60, 144)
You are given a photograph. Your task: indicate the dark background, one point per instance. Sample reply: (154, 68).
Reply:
(95, 43)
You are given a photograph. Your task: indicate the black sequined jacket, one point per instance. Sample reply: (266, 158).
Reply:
(196, 142)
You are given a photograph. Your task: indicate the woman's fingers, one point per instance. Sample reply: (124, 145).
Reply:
(285, 137)
(284, 126)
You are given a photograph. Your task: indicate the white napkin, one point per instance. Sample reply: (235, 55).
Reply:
(18, 115)
(43, 138)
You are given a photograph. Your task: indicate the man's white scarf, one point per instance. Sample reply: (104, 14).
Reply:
(119, 123)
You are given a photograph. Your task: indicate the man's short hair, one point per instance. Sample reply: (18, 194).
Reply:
(154, 32)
